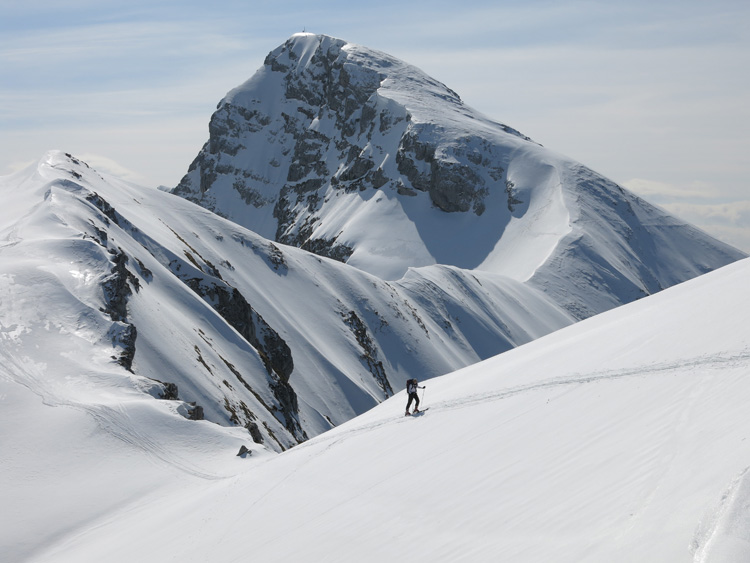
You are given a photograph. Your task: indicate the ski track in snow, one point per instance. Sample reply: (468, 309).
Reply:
(705, 361)
(576, 379)
(118, 424)
(724, 537)
(114, 421)
(725, 517)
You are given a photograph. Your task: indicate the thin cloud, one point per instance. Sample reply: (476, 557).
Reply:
(729, 221)
(735, 213)
(661, 191)
(108, 166)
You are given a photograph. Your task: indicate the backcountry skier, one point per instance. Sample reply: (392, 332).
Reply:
(411, 388)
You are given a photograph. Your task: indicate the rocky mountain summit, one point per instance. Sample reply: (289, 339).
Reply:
(334, 125)
(324, 118)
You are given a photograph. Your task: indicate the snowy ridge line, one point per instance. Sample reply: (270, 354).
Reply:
(705, 360)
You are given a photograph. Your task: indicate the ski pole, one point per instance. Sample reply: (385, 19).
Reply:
(422, 399)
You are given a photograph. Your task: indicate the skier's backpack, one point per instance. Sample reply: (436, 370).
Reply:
(409, 383)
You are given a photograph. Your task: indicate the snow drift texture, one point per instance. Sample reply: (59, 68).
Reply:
(144, 339)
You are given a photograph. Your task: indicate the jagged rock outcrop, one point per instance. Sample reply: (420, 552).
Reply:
(244, 451)
(116, 288)
(235, 309)
(195, 411)
(255, 433)
(369, 352)
(169, 392)
(272, 349)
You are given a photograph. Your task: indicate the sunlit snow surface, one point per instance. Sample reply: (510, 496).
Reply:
(621, 438)
(293, 150)
(618, 438)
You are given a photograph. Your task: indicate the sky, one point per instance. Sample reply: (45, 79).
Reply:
(653, 95)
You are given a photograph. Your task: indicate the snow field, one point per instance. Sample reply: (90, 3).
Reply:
(576, 447)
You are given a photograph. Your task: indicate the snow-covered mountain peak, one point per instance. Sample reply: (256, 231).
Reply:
(307, 142)
(355, 155)
(315, 66)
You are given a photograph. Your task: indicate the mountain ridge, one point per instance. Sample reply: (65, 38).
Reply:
(288, 343)
(274, 338)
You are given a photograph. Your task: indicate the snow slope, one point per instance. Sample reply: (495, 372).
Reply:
(620, 438)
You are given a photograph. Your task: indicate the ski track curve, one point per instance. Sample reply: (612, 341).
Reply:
(333, 438)
(115, 421)
(705, 361)
(724, 535)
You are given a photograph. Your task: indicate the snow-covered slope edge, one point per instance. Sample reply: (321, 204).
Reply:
(351, 153)
(620, 438)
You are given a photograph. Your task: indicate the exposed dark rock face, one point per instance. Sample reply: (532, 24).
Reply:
(328, 248)
(235, 309)
(170, 392)
(127, 341)
(255, 433)
(288, 408)
(116, 289)
(453, 187)
(195, 411)
(513, 201)
(272, 349)
(101, 204)
(369, 352)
